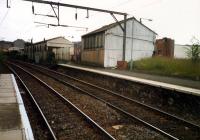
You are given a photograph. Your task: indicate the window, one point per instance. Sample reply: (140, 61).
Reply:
(103, 40)
(90, 38)
(87, 43)
(90, 42)
(94, 41)
(100, 41)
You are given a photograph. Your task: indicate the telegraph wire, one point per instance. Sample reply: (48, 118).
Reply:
(4, 17)
(31, 28)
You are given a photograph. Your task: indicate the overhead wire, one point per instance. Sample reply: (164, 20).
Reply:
(50, 11)
(122, 3)
(95, 14)
(29, 29)
(6, 14)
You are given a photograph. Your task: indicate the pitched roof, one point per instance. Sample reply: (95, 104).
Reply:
(49, 39)
(106, 27)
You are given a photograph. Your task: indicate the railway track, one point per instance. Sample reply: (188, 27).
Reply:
(112, 123)
(40, 126)
(64, 118)
(167, 124)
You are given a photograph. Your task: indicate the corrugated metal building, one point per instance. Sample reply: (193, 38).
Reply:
(77, 52)
(61, 47)
(104, 46)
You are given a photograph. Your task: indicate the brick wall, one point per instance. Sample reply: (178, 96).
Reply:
(164, 47)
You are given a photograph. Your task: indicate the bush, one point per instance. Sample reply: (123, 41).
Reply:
(169, 67)
(193, 52)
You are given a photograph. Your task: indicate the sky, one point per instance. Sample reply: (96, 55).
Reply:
(176, 19)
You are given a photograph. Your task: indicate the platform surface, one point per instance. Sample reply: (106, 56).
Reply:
(177, 84)
(11, 122)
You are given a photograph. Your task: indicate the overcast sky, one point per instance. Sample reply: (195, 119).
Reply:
(176, 19)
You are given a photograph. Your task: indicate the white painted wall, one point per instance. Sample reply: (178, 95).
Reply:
(140, 41)
(62, 48)
(180, 51)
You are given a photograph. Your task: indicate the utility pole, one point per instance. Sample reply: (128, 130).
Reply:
(124, 39)
(7, 4)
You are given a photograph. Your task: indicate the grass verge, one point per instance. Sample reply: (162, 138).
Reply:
(183, 68)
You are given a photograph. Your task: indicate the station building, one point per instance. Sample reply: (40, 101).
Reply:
(104, 46)
(61, 47)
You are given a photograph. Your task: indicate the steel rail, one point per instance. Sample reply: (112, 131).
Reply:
(112, 106)
(35, 102)
(117, 94)
(92, 122)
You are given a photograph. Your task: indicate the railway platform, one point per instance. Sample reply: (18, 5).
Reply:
(14, 123)
(171, 83)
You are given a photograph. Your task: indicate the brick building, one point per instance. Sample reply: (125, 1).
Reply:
(164, 47)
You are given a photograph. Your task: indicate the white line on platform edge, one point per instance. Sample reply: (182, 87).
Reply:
(24, 118)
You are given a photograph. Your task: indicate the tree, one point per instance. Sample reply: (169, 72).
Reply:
(193, 52)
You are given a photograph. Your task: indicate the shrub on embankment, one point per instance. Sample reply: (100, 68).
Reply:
(169, 67)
